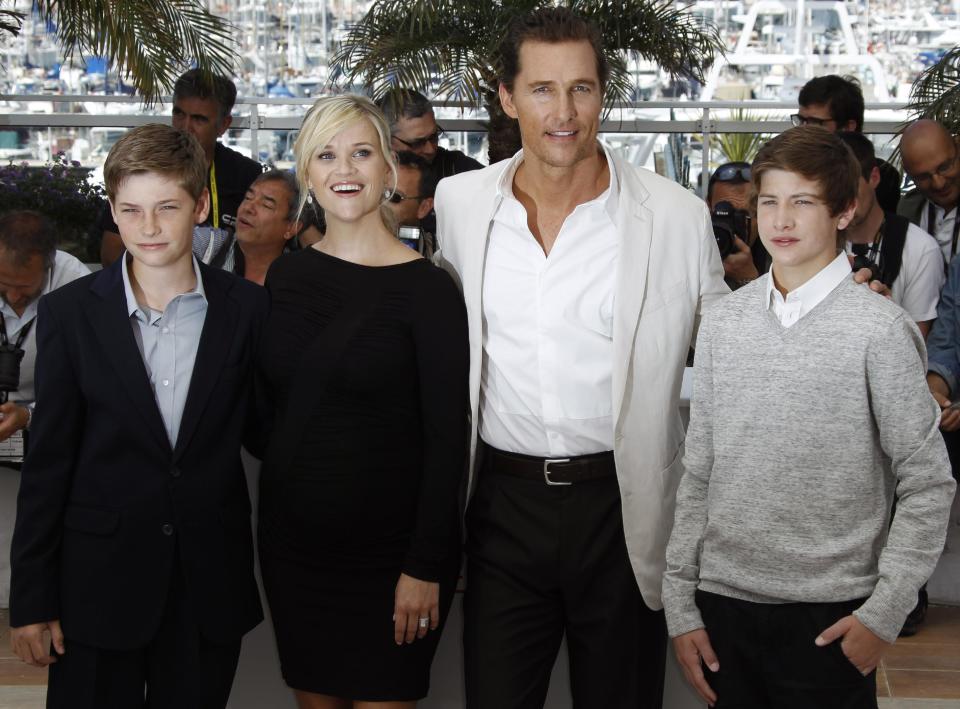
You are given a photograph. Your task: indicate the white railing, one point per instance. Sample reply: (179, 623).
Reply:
(255, 114)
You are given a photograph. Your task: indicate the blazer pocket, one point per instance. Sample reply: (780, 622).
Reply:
(671, 475)
(664, 296)
(92, 520)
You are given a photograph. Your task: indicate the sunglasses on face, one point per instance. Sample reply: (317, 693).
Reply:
(797, 120)
(732, 171)
(418, 143)
(398, 197)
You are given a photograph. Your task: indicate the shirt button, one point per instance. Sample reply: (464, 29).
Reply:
(166, 382)
(165, 330)
(175, 472)
(167, 529)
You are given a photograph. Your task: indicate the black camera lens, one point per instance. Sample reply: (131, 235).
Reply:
(724, 236)
(724, 219)
(10, 357)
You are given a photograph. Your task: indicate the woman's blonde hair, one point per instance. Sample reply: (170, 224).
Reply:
(327, 117)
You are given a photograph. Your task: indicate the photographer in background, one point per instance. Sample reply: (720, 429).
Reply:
(836, 103)
(30, 266)
(728, 196)
(900, 253)
(412, 201)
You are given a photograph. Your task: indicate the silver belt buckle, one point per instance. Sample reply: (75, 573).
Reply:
(546, 470)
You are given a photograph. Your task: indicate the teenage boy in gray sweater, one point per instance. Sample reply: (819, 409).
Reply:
(786, 580)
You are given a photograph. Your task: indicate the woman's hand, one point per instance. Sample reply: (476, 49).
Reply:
(416, 609)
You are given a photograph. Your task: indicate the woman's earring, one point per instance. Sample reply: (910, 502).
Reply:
(386, 194)
(309, 197)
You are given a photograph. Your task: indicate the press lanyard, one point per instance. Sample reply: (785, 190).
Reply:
(931, 214)
(24, 331)
(215, 203)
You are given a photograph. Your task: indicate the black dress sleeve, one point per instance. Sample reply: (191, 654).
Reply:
(443, 365)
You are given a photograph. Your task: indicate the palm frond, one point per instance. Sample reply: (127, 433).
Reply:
(11, 22)
(740, 147)
(403, 43)
(662, 32)
(936, 92)
(449, 48)
(153, 40)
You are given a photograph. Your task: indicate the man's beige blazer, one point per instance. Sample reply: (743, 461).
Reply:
(668, 270)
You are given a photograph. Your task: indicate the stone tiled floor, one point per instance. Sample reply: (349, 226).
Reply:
(922, 672)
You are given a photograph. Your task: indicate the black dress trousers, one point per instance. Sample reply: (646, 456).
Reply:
(544, 562)
(768, 658)
(178, 669)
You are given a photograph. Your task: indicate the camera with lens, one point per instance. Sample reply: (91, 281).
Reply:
(728, 222)
(863, 258)
(10, 358)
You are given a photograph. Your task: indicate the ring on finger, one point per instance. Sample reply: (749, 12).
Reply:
(424, 622)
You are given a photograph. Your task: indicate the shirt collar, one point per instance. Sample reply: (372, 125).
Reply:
(609, 198)
(815, 289)
(133, 306)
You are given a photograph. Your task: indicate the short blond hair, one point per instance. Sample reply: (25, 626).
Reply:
(327, 117)
(157, 148)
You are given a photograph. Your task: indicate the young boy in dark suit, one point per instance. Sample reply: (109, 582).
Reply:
(132, 545)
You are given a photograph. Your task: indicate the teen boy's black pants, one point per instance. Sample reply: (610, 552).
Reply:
(768, 659)
(544, 562)
(179, 669)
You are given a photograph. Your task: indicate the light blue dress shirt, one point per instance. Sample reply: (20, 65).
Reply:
(168, 343)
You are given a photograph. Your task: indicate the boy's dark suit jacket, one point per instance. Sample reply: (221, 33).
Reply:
(106, 507)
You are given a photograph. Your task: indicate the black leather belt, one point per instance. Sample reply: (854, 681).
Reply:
(552, 471)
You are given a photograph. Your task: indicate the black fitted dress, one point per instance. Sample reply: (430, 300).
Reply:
(365, 372)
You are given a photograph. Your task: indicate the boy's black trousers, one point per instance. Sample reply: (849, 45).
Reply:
(768, 659)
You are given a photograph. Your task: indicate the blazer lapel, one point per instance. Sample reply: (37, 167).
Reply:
(110, 320)
(635, 227)
(215, 341)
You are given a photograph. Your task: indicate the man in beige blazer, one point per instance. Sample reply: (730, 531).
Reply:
(584, 279)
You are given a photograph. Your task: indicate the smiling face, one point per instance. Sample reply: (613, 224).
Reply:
(156, 216)
(262, 215)
(557, 99)
(933, 163)
(348, 175)
(796, 227)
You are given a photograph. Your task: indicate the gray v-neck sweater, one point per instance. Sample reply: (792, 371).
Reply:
(799, 440)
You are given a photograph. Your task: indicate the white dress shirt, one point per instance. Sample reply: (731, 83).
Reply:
(545, 386)
(916, 288)
(942, 229)
(802, 300)
(168, 343)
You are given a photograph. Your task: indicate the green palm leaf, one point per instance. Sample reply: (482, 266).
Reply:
(449, 48)
(11, 21)
(936, 92)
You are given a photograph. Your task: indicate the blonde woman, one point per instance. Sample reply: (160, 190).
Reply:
(364, 359)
